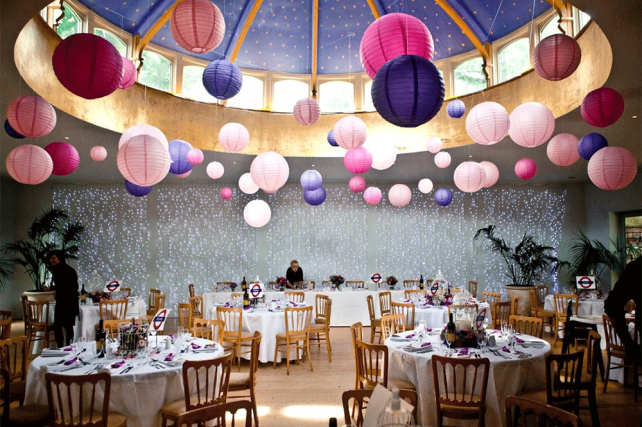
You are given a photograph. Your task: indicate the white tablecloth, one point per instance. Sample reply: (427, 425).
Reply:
(593, 307)
(90, 315)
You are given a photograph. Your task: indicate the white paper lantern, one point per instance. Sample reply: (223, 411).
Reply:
(215, 170)
(492, 173)
(257, 213)
(233, 137)
(143, 129)
(469, 177)
(442, 159)
(399, 195)
(487, 123)
(29, 164)
(350, 132)
(269, 171)
(562, 149)
(434, 144)
(531, 124)
(98, 153)
(143, 160)
(425, 186)
(247, 185)
(307, 111)
(383, 156)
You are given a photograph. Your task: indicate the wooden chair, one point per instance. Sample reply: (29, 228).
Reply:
(360, 400)
(14, 353)
(294, 296)
(372, 367)
(39, 322)
(526, 325)
(548, 317)
(5, 324)
(563, 378)
(25, 313)
(69, 407)
(501, 313)
(234, 338)
(542, 293)
(514, 304)
(561, 305)
(219, 284)
(520, 412)
(456, 398)
(271, 285)
(326, 283)
(208, 329)
(472, 288)
(190, 289)
(112, 326)
(355, 283)
(160, 304)
(375, 324)
(185, 315)
(113, 309)
(491, 298)
(197, 306)
(408, 311)
(235, 295)
(128, 291)
(247, 380)
(418, 293)
(216, 412)
(20, 416)
(151, 301)
(297, 333)
(588, 382)
(320, 329)
(385, 298)
(356, 332)
(615, 348)
(313, 284)
(205, 384)
(409, 284)
(392, 324)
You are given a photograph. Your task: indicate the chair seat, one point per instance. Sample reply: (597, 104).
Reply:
(29, 415)
(299, 336)
(239, 380)
(545, 313)
(113, 419)
(461, 412)
(401, 385)
(18, 389)
(319, 321)
(376, 323)
(231, 336)
(174, 409)
(317, 327)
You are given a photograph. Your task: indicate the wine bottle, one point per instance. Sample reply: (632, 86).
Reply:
(421, 282)
(333, 422)
(450, 330)
(83, 292)
(101, 334)
(243, 285)
(246, 299)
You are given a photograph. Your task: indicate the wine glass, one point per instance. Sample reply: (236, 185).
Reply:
(448, 342)
(504, 329)
(485, 323)
(482, 340)
(510, 331)
(420, 330)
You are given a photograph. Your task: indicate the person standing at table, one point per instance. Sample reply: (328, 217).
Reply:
(294, 275)
(65, 283)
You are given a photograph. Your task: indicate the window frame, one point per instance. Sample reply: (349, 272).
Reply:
(172, 58)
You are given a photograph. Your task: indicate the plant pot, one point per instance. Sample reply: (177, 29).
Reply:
(524, 301)
(40, 295)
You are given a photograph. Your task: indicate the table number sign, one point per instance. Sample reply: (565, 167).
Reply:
(112, 286)
(158, 322)
(376, 278)
(434, 288)
(255, 289)
(481, 315)
(585, 282)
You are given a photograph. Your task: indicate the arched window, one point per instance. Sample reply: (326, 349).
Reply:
(549, 29)
(514, 59)
(336, 96)
(287, 93)
(250, 96)
(156, 71)
(469, 77)
(112, 38)
(70, 24)
(193, 84)
(368, 105)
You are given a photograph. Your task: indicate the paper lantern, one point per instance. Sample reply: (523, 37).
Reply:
(143, 160)
(311, 180)
(556, 57)
(197, 26)
(314, 197)
(31, 116)
(98, 153)
(195, 156)
(531, 124)
(65, 157)
(137, 190)
(247, 185)
(257, 213)
(215, 170)
(222, 79)
(226, 193)
(88, 65)
(269, 171)
(399, 195)
(434, 144)
(331, 139)
(143, 129)
(358, 161)
(425, 186)
(129, 75)
(178, 150)
(443, 196)
(487, 123)
(29, 164)
(525, 168)
(11, 131)
(408, 91)
(184, 175)
(393, 35)
(442, 159)
(383, 156)
(469, 177)
(456, 108)
(591, 144)
(307, 111)
(602, 107)
(372, 195)
(612, 168)
(491, 173)
(350, 132)
(233, 137)
(357, 184)
(562, 149)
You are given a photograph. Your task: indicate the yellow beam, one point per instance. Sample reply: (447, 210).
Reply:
(558, 5)
(246, 28)
(315, 45)
(373, 9)
(464, 28)
(142, 44)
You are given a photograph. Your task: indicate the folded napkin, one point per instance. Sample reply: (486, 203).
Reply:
(50, 352)
(506, 349)
(118, 364)
(409, 336)
(71, 361)
(463, 351)
(169, 357)
(426, 344)
(209, 348)
(195, 346)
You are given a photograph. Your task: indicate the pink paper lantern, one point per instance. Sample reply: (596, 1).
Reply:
(88, 65)
(602, 107)
(350, 132)
(425, 186)
(247, 185)
(491, 172)
(98, 153)
(197, 26)
(269, 171)
(31, 116)
(531, 124)
(226, 193)
(257, 213)
(562, 149)
(307, 111)
(65, 157)
(487, 123)
(469, 177)
(556, 57)
(372, 195)
(129, 74)
(29, 164)
(195, 156)
(143, 129)
(184, 175)
(233, 137)
(358, 161)
(612, 168)
(143, 160)
(393, 35)
(525, 168)
(399, 195)
(357, 184)
(215, 170)
(434, 144)
(442, 159)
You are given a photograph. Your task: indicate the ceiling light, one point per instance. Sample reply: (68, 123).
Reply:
(635, 117)
(68, 137)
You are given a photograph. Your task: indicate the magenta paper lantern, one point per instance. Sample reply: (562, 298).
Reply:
(215, 170)
(393, 35)
(556, 57)
(184, 175)
(98, 153)
(434, 144)
(358, 161)
(469, 177)
(257, 213)
(491, 172)
(612, 168)
(197, 26)
(226, 193)
(195, 156)
(602, 107)
(357, 184)
(425, 186)
(143, 129)
(442, 159)
(372, 195)
(143, 160)
(65, 157)
(487, 123)
(562, 149)
(350, 132)
(29, 164)
(31, 116)
(129, 74)
(525, 168)
(307, 111)
(88, 65)
(233, 137)
(399, 195)
(531, 124)
(247, 185)
(269, 171)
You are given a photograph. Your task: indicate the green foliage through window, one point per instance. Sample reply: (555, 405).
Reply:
(514, 59)
(469, 77)
(250, 96)
(120, 45)
(193, 84)
(156, 71)
(336, 97)
(70, 24)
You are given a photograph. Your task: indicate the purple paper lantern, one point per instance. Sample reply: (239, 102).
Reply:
(178, 153)
(11, 131)
(311, 180)
(222, 79)
(331, 139)
(456, 108)
(443, 197)
(314, 197)
(137, 190)
(408, 91)
(591, 144)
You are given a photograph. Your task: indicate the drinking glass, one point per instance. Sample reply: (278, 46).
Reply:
(510, 331)
(482, 340)
(485, 323)
(504, 327)
(448, 342)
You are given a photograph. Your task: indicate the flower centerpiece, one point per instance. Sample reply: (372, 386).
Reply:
(463, 338)
(281, 282)
(233, 286)
(337, 280)
(440, 300)
(97, 295)
(391, 281)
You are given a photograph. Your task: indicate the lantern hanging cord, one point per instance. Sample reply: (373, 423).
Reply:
(532, 21)
(494, 19)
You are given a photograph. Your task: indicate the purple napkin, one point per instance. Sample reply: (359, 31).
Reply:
(172, 336)
(278, 307)
(506, 349)
(428, 329)
(71, 361)
(169, 357)
(463, 352)
(227, 304)
(410, 336)
(519, 340)
(67, 349)
(118, 364)
(426, 344)
(195, 346)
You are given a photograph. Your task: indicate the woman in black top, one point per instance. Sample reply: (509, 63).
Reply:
(294, 275)
(65, 283)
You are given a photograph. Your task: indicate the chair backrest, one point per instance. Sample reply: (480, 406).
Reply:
(542, 292)
(372, 364)
(593, 354)
(630, 306)
(385, 298)
(208, 329)
(417, 293)
(491, 298)
(254, 357)
(190, 288)
(5, 324)
(613, 343)
(515, 304)
(216, 412)
(355, 283)
(74, 398)
(392, 324)
(472, 288)
(128, 291)
(534, 301)
(297, 320)
(320, 305)
(151, 299)
(371, 309)
(197, 305)
(185, 315)
(410, 283)
(212, 379)
(356, 332)
(326, 283)
(501, 312)
(561, 304)
(111, 327)
(232, 317)
(25, 312)
(14, 353)
(360, 400)
(113, 309)
(294, 296)
(460, 383)
(160, 301)
(563, 377)
(527, 325)
(38, 312)
(408, 311)
(519, 410)
(313, 284)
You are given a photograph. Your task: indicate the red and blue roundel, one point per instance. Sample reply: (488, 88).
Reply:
(585, 282)
(255, 290)
(434, 288)
(157, 323)
(113, 285)
(479, 322)
(376, 278)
